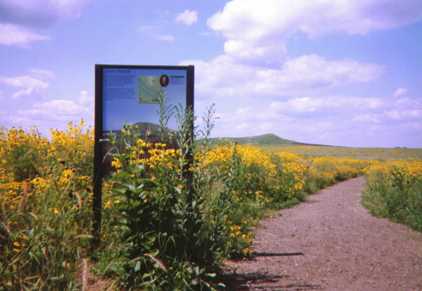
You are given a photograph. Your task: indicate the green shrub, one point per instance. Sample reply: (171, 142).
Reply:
(395, 194)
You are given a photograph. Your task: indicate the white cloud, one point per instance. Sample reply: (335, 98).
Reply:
(314, 18)
(341, 120)
(61, 110)
(11, 34)
(303, 97)
(187, 17)
(19, 19)
(56, 109)
(404, 108)
(401, 114)
(223, 76)
(39, 13)
(165, 38)
(35, 82)
(54, 113)
(314, 104)
(43, 73)
(299, 97)
(85, 100)
(261, 118)
(26, 84)
(265, 25)
(315, 69)
(400, 92)
(248, 52)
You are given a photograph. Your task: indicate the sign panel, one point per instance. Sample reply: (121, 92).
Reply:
(132, 95)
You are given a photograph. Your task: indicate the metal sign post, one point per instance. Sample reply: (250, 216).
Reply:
(129, 94)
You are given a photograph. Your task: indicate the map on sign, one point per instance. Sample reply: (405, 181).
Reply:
(150, 89)
(133, 96)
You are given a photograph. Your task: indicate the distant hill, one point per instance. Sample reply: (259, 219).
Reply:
(268, 139)
(143, 127)
(262, 140)
(150, 132)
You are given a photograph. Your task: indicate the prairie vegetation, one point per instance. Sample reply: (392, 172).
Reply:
(356, 153)
(158, 232)
(394, 190)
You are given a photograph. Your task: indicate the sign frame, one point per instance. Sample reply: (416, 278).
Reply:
(98, 130)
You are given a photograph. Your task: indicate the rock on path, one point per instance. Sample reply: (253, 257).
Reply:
(343, 246)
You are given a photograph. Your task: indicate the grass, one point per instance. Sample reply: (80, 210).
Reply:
(261, 140)
(273, 143)
(394, 191)
(158, 233)
(350, 152)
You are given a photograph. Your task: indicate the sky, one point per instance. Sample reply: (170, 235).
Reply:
(338, 72)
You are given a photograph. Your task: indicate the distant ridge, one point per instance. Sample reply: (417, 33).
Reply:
(268, 139)
(142, 127)
(262, 140)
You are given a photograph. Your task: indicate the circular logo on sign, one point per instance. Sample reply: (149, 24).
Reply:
(164, 80)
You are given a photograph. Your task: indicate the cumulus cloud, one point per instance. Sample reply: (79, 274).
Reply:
(404, 109)
(19, 19)
(312, 18)
(260, 118)
(401, 114)
(331, 104)
(43, 73)
(11, 34)
(338, 120)
(85, 100)
(187, 17)
(34, 83)
(39, 13)
(303, 97)
(60, 110)
(256, 62)
(266, 24)
(274, 52)
(223, 76)
(54, 113)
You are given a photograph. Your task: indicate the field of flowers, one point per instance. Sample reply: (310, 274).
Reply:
(395, 191)
(160, 232)
(45, 193)
(355, 153)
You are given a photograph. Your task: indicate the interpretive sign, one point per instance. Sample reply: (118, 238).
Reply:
(132, 95)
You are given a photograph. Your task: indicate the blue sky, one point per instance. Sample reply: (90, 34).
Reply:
(329, 71)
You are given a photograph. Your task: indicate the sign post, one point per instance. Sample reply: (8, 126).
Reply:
(128, 94)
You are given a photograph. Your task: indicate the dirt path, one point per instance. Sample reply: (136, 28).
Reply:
(343, 247)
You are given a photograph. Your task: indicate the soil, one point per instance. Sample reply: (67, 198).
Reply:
(330, 242)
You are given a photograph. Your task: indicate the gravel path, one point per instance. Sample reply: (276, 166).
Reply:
(330, 242)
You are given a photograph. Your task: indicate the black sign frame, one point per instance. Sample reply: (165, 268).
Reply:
(98, 131)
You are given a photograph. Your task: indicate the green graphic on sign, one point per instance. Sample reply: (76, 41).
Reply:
(150, 89)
